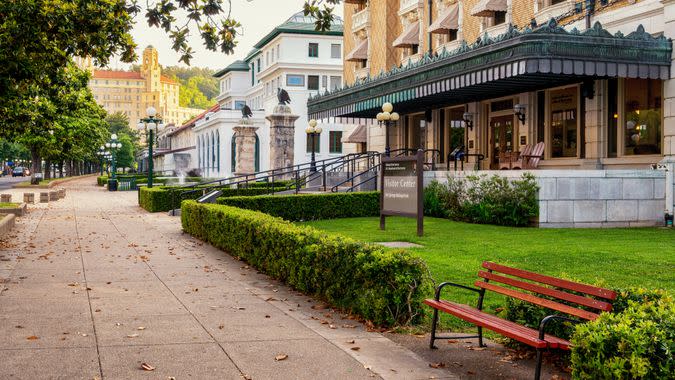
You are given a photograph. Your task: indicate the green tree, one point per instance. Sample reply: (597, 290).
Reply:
(39, 37)
(125, 155)
(118, 122)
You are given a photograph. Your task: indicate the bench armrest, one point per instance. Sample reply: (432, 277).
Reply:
(447, 283)
(545, 321)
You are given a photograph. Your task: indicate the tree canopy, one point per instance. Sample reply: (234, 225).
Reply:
(39, 37)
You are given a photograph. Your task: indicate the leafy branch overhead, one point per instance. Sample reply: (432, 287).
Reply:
(216, 33)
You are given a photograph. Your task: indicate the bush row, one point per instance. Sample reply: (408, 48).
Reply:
(162, 198)
(311, 206)
(485, 200)
(142, 178)
(384, 286)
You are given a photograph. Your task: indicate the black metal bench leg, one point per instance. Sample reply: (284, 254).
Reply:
(480, 337)
(434, 323)
(537, 371)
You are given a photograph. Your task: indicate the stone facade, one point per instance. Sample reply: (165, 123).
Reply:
(282, 132)
(245, 138)
(592, 198)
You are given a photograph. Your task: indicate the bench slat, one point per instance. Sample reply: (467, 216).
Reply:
(600, 305)
(548, 280)
(507, 328)
(537, 301)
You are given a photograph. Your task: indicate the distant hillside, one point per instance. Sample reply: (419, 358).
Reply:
(198, 87)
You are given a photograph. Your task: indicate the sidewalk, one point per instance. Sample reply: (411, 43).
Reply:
(94, 287)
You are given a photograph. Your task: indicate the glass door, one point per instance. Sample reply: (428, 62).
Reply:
(501, 138)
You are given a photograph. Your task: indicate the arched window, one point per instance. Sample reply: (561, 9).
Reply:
(257, 153)
(233, 148)
(199, 152)
(218, 148)
(208, 153)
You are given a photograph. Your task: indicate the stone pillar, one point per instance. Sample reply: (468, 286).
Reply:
(282, 136)
(245, 141)
(669, 109)
(595, 127)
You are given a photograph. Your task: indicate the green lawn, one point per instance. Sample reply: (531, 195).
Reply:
(642, 257)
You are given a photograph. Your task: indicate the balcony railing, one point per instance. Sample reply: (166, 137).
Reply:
(406, 6)
(360, 20)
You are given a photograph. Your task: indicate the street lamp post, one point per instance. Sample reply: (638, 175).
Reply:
(113, 145)
(313, 131)
(149, 125)
(100, 154)
(387, 118)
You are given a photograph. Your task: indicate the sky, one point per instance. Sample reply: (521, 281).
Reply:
(257, 17)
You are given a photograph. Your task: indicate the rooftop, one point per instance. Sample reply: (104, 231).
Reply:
(116, 74)
(301, 24)
(237, 65)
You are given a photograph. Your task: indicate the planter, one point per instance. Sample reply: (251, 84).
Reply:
(6, 198)
(62, 193)
(44, 197)
(112, 185)
(18, 210)
(53, 196)
(29, 198)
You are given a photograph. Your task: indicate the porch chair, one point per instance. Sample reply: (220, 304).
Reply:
(506, 160)
(522, 160)
(533, 158)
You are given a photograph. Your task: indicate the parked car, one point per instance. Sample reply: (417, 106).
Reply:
(20, 171)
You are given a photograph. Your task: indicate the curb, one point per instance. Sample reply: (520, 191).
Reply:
(7, 223)
(17, 211)
(53, 183)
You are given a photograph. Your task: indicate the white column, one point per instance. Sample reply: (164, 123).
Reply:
(669, 108)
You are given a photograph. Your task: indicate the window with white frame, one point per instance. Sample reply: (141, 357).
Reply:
(336, 51)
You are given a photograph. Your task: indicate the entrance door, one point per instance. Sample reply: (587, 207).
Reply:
(501, 138)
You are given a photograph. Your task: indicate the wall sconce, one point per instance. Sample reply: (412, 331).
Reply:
(468, 120)
(519, 111)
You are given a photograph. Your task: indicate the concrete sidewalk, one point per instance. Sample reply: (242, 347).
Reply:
(94, 287)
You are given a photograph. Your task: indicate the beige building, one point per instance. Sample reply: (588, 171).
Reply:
(587, 85)
(132, 92)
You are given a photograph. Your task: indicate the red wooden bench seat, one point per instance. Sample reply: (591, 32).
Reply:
(578, 301)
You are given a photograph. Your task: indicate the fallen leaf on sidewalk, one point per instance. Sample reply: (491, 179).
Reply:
(281, 357)
(147, 367)
(355, 348)
(437, 365)
(332, 327)
(221, 327)
(349, 326)
(32, 337)
(133, 336)
(350, 341)
(140, 328)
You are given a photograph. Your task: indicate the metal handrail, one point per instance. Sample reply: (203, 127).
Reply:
(330, 164)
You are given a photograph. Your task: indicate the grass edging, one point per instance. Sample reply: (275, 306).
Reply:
(384, 286)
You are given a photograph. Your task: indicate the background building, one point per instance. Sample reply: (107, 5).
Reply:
(293, 56)
(132, 92)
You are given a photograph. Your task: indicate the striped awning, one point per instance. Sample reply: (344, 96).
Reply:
(487, 8)
(409, 37)
(360, 52)
(358, 135)
(447, 20)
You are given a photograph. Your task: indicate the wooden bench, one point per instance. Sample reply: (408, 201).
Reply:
(585, 303)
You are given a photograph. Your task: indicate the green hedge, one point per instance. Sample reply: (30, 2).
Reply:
(384, 286)
(636, 343)
(102, 180)
(283, 183)
(142, 178)
(160, 198)
(311, 206)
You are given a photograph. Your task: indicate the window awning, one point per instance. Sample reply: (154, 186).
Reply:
(409, 37)
(447, 20)
(360, 52)
(487, 8)
(516, 62)
(358, 135)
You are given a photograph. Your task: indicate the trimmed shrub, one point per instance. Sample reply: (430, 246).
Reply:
(277, 184)
(311, 206)
(637, 343)
(485, 200)
(161, 198)
(102, 180)
(384, 286)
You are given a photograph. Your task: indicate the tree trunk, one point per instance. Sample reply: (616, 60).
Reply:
(48, 172)
(36, 163)
(61, 169)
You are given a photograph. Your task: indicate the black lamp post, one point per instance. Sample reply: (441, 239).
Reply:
(113, 145)
(150, 124)
(313, 131)
(100, 154)
(387, 118)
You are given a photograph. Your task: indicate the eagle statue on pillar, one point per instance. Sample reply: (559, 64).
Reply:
(246, 112)
(283, 96)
